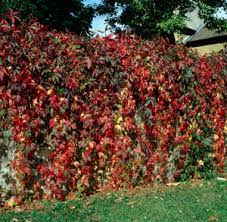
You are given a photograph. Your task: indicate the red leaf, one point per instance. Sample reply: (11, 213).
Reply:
(137, 150)
(2, 73)
(51, 123)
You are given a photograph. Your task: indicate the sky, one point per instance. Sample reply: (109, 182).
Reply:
(99, 23)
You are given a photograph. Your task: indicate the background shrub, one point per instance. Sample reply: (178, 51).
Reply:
(106, 112)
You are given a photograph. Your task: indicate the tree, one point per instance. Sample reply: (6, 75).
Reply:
(147, 17)
(72, 15)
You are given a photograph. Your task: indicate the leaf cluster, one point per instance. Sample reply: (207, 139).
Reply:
(70, 15)
(160, 18)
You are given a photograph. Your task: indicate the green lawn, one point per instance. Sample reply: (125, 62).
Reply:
(203, 201)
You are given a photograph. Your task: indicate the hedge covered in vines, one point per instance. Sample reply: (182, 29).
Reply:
(79, 115)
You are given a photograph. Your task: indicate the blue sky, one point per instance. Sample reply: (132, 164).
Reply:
(99, 24)
(91, 1)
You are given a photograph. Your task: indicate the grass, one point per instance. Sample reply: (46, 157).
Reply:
(203, 201)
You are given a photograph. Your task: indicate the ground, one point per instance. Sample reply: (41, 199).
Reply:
(194, 201)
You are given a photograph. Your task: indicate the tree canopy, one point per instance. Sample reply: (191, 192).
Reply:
(160, 17)
(145, 17)
(72, 15)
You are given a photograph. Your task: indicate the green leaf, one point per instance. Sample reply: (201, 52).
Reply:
(188, 74)
(2, 112)
(207, 142)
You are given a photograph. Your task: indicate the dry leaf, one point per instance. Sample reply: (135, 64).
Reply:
(71, 207)
(173, 184)
(71, 196)
(212, 218)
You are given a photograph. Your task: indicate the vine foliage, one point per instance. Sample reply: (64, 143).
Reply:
(109, 112)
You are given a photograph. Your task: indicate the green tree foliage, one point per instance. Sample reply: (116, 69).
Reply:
(70, 15)
(160, 17)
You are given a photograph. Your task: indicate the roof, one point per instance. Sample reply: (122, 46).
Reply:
(194, 21)
(205, 36)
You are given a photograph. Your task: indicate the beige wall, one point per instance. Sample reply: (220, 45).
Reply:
(207, 49)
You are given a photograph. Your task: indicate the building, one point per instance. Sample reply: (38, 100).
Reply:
(207, 41)
(201, 38)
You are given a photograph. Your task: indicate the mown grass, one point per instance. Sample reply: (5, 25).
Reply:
(203, 201)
